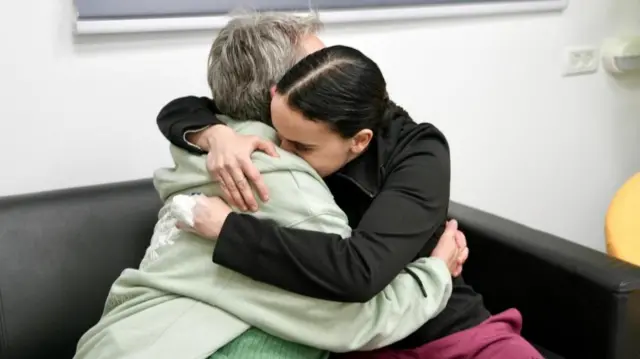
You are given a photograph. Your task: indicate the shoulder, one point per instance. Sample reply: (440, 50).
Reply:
(419, 163)
(296, 193)
(416, 141)
(250, 128)
(293, 178)
(412, 137)
(285, 162)
(290, 177)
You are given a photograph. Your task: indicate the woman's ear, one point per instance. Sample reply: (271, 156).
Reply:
(361, 141)
(272, 91)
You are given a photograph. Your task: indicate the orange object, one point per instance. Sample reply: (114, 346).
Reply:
(622, 225)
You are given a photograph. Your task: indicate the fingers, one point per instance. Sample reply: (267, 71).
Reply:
(457, 272)
(453, 261)
(244, 189)
(452, 247)
(225, 192)
(233, 183)
(450, 229)
(461, 239)
(452, 225)
(265, 146)
(254, 176)
(237, 175)
(459, 262)
(229, 183)
(216, 175)
(463, 256)
(447, 248)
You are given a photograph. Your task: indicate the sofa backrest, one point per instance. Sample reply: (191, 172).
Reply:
(59, 253)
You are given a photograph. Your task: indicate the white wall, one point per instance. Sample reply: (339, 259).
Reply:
(526, 143)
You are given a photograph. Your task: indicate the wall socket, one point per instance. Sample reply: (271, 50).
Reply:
(580, 61)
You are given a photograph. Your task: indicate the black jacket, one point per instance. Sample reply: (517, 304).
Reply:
(396, 197)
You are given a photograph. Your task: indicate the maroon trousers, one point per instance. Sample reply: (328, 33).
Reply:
(496, 338)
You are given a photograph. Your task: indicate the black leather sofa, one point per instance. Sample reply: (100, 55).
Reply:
(61, 250)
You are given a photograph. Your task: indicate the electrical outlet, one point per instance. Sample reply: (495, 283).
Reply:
(580, 61)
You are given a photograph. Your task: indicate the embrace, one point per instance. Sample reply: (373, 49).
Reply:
(320, 226)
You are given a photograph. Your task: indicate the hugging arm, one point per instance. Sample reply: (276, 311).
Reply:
(409, 209)
(196, 116)
(355, 269)
(401, 308)
(184, 116)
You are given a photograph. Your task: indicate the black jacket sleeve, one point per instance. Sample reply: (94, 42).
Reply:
(187, 114)
(407, 212)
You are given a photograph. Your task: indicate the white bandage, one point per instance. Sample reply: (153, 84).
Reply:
(182, 208)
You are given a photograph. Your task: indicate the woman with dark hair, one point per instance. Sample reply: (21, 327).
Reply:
(391, 176)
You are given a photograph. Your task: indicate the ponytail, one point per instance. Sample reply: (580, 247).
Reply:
(390, 112)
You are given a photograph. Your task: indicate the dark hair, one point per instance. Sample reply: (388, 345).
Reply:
(341, 86)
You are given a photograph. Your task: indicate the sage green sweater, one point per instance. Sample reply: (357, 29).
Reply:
(178, 304)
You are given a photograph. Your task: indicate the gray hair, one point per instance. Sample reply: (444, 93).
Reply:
(249, 55)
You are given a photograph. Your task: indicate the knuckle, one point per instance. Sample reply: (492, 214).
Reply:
(217, 168)
(253, 175)
(242, 184)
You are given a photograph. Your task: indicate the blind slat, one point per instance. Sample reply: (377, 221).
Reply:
(122, 9)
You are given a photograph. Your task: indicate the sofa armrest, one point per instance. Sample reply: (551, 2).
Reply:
(577, 302)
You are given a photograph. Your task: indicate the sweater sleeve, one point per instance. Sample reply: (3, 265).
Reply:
(186, 115)
(401, 308)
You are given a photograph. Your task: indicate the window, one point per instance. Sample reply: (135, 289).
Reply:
(109, 16)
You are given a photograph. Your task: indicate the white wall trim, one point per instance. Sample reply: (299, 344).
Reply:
(90, 27)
